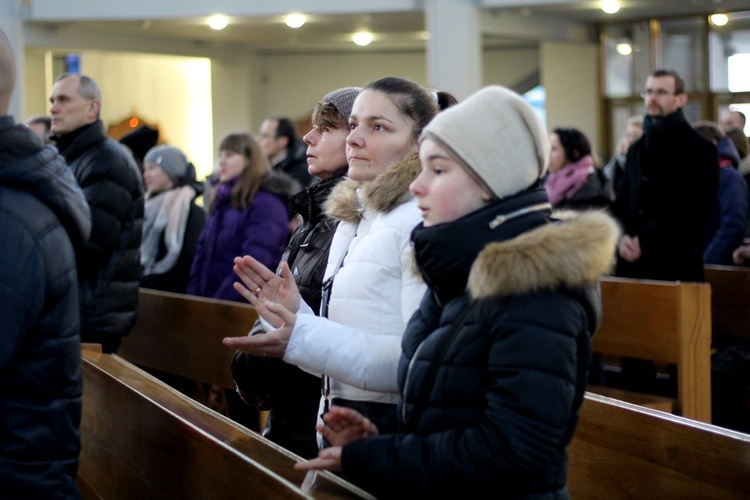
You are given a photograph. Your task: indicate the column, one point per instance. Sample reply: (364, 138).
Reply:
(454, 50)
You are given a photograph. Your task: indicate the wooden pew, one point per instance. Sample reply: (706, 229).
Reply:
(730, 303)
(142, 439)
(621, 450)
(665, 322)
(181, 335)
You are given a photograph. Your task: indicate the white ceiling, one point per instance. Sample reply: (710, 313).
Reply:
(394, 30)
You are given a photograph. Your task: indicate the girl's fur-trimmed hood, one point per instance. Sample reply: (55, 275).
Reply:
(349, 199)
(574, 251)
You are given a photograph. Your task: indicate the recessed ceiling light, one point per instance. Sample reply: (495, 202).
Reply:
(610, 6)
(295, 20)
(362, 38)
(718, 19)
(218, 21)
(624, 49)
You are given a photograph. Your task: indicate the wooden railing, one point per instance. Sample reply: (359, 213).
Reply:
(664, 322)
(142, 439)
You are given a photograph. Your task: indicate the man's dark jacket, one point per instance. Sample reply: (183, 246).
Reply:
(43, 216)
(110, 265)
(666, 198)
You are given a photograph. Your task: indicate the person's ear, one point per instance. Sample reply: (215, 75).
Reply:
(487, 196)
(94, 108)
(683, 99)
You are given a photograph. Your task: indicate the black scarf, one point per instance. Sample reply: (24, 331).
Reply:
(445, 253)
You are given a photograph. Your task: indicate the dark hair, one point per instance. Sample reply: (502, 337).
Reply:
(325, 114)
(708, 129)
(286, 128)
(738, 137)
(413, 100)
(679, 83)
(574, 143)
(252, 175)
(45, 120)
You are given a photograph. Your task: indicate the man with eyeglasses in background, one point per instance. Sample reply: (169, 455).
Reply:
(668, 191)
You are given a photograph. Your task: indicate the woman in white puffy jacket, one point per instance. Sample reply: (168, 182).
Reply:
(373, 290)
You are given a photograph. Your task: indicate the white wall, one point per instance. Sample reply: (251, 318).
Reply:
(570, 76)
(508, 66)
(172, 92)
(293, 84)
(242, 88)
(234, 83)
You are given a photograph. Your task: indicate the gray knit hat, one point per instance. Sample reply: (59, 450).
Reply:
(343, 100)
(171, 160)
(498, 135)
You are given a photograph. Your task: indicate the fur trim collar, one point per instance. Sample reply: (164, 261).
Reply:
(573, 251)
(350, 199)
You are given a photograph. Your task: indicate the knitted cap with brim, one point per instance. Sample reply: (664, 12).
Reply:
(498, 135)
(171, 160)
(343, 100)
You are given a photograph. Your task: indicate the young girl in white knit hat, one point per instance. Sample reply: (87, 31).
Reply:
(494, 363)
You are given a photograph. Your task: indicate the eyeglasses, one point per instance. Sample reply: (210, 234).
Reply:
(656, 92)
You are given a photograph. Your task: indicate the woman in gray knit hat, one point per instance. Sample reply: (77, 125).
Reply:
(172, 221)
(290, 394)
(494, 362)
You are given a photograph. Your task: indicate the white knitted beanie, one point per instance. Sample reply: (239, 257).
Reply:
(498, 135)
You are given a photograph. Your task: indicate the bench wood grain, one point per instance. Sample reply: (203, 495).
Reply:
(622, 450)
(142, 439)
(665, 322)
(181, 335)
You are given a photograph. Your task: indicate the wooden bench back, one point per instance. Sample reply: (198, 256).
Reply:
(142, 439)
(730, 293)
(621, 450)
(182, 334)
(665, 322)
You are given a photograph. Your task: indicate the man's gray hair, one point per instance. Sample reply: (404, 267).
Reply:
(87, 86)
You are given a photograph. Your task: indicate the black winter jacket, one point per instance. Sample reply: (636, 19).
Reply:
(666, 198)
(291, 394)
(43, 214)
(110, 266)
(492, 377)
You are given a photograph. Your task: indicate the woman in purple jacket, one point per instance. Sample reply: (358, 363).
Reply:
(249, 215)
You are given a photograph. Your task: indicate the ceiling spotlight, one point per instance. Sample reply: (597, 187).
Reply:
(218, 21)
(295, 20)
(624, 49)
(718, 19)
(610, 6)
(362, 38)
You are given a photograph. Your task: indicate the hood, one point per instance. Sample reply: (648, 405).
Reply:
(726, 149)
(571, 252)
(25, 163)
(349, 199)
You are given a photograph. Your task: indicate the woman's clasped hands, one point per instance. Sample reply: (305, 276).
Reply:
(277, 300)
(342, 426)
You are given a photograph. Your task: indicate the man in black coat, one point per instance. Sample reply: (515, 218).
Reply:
(109, 266)
(280, 142)
(43, 217)
(668, 191)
